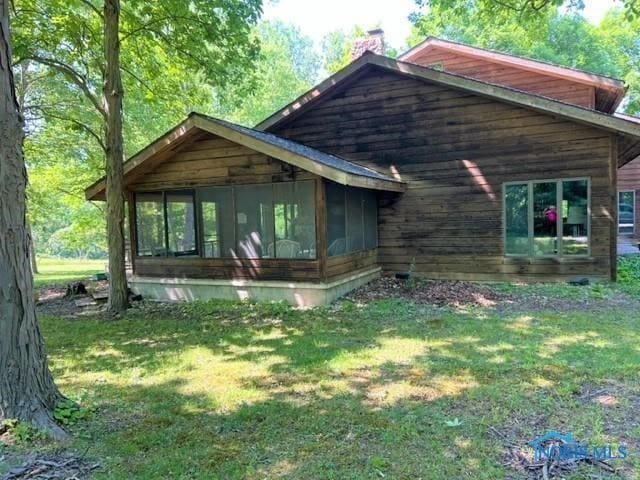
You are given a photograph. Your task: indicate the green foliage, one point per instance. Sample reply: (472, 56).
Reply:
(286, 68)
(68, 412)
(174, 56)
(611, 48)
(22, 433)
(629, 270)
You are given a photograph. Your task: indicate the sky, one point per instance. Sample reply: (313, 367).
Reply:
(317, 19)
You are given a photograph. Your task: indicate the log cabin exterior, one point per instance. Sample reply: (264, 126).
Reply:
(386, 167)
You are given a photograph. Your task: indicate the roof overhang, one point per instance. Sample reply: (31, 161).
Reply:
(601, 83)
(593, 118)
(322, 164)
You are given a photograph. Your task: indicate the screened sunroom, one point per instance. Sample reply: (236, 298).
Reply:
(221, 211)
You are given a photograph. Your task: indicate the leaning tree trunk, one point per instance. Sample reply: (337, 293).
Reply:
(27, 390)
(113, 92)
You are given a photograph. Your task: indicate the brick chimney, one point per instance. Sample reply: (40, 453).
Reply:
(373, 42)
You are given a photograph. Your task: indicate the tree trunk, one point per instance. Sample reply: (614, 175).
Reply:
(27, 389)
(113, 92)
(32, 251)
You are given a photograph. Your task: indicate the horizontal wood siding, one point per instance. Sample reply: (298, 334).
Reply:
(345, 264)
(229, 268)
(455, 150)
(510, 76)
(213, 160)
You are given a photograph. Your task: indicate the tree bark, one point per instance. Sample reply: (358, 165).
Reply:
(32, 251)
(113, 93)
(27, 389)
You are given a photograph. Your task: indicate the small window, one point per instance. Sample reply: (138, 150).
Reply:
(181, 223)
(626, 212)
(150, 227)
(547, 218)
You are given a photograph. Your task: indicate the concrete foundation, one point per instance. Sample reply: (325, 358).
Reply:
(299, 294)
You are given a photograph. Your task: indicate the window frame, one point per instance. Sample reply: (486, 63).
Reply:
(198, 226)
(633, 204)
(530, 224)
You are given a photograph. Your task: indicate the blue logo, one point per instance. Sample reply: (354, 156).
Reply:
(556, 446)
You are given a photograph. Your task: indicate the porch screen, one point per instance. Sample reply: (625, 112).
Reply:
(295, 222)
(352, 219)
(150, 224)
(181, 223)
(254, 221)
(217, 221)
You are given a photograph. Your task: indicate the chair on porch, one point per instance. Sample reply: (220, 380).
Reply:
(284, 248)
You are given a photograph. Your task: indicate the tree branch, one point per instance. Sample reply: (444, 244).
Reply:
(74, 77)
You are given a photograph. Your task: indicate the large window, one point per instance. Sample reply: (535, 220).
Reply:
(166, 223)
(547, 218)
(249, 221)
(352, 219)
(626, 212)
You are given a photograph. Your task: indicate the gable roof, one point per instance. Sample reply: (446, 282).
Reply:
(615, 124)
(325, 165)
(609, 91)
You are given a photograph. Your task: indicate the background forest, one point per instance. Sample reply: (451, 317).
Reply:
(63, 146)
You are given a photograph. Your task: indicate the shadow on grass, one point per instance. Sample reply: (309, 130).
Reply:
(222, 390)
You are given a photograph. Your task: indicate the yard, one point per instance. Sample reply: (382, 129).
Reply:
(371, 387)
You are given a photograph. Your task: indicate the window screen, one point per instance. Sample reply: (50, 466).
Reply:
(217, 222)
(150, 224)
(295, 220)
(370, 213)
(355, 220)
(336, 220)
(254, 221)
(181, 223)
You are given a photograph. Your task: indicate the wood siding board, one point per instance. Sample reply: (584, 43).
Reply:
(454, 160)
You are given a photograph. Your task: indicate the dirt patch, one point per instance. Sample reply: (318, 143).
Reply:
(461, 295)
(57, 301)
(433, 292)
(49, 467)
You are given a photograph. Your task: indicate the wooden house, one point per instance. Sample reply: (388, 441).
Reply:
(388, 166)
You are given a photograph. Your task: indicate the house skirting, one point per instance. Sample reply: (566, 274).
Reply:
(299, 294)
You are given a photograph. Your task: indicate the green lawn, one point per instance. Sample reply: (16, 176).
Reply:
(55, 271)
(228, 391)
(388, 390)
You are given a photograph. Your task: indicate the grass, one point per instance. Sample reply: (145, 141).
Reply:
(223, 390)
(55, 271)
